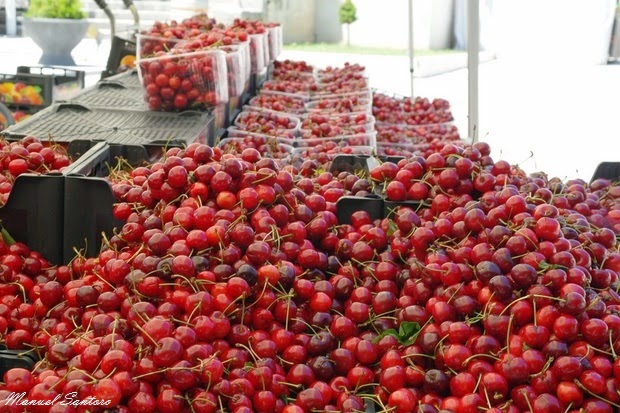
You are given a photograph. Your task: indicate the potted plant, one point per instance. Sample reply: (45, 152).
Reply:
(56, 26)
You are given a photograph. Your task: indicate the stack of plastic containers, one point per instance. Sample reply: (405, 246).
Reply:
(334, 106)
(408, 127)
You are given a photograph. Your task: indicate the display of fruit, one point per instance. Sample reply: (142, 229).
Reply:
(349, 104)
(344, 87)
(266, 122)
(21, 94)
(233, 277)
(323, 126)
(279, 103)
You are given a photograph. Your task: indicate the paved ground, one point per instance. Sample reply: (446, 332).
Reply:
(564, 113)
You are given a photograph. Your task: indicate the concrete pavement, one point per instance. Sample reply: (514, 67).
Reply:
(564, 113)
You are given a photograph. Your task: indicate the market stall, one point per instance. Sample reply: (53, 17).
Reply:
(217, 230)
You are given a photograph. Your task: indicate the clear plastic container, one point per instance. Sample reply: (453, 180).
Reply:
(275, 41)
(278, 102)
(283, 137)
(343, 105)
(235, 70)
(206, 72)
(344, 87)
(302, 88)
(331, 74)
(325, 154)
(148, 45)
(257, 52)
(268, 146)
(254, 120)
(266, 51)
(363, 94)
(360, 139)
(319, 126)
(401, 133)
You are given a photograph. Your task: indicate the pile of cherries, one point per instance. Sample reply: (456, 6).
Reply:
(28, 155)
(232, 287)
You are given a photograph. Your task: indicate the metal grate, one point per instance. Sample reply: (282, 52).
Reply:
(68, 122)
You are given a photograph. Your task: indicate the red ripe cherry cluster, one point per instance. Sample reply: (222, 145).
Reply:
(301, 86)
(348, 104)
(232, 287)
(279, 103)
(268, 146)
(403, 111)
(322, 126)
(266, 123)
(28, 155)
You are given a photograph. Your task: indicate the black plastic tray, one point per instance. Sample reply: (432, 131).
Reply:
(13, 359)
(68, 122)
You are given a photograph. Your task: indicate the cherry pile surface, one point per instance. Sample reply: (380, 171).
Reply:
(231, 287)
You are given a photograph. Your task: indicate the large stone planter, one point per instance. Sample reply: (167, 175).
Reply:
(56, 38)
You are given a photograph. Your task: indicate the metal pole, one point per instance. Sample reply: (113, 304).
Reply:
(11, 18)
(411, 45)
(473, 49)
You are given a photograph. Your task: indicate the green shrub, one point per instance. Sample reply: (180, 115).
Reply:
(56, 9)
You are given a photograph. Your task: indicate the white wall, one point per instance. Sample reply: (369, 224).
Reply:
(386, 24)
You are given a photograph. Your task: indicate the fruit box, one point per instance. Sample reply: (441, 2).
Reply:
(112, 95)
(607, 170)
(282, 102)
(276, 41)
(360, 139)
(65, 122)
(260, 118)
(296, 88)
(300, 155)
(122, 52)
(66, 82)
(258, 63)
(204, 72)
(351, 105)
(148, 45)
(257, 80)
(375, 205)
(363, 94)
(235, 71)
(347, 124)
(283, 137)
(268, 146)
(34, 211)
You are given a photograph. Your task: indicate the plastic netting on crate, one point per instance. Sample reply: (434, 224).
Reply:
(68, 122)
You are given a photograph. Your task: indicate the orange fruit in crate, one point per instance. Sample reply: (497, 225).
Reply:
(129, 61)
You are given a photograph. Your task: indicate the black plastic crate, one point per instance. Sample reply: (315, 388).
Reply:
(36, 91)
(111, 95)
(607, 170)
(123, 45)
(66, 122)
(33, 213)
(66, 82)
(129, 79)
